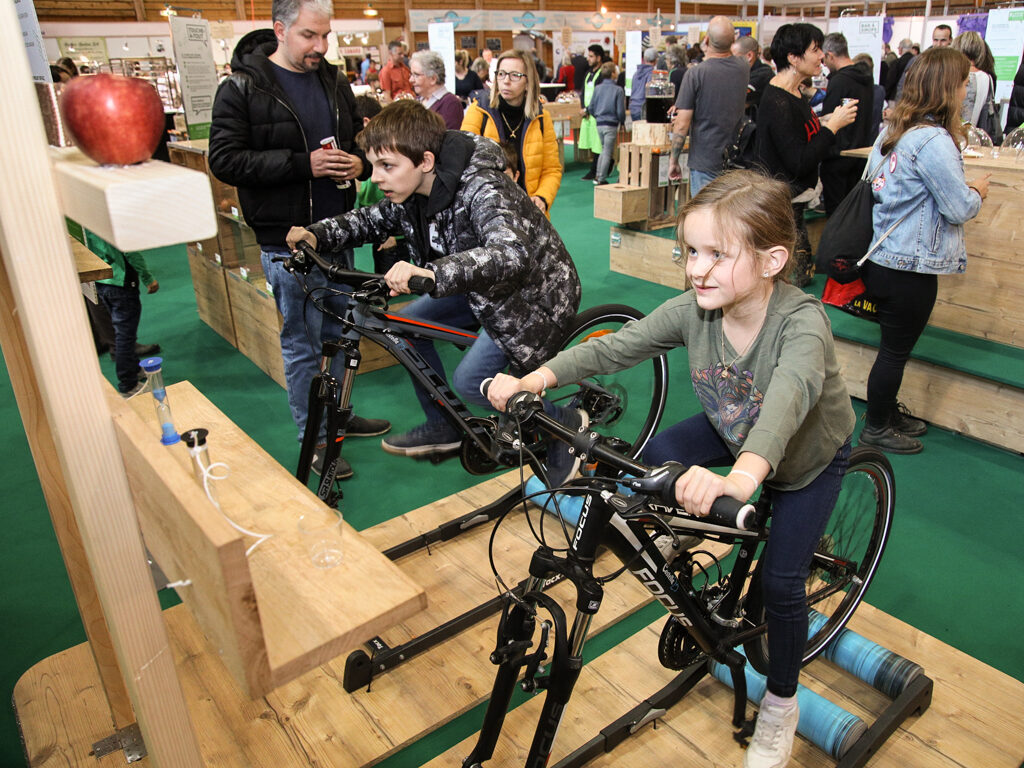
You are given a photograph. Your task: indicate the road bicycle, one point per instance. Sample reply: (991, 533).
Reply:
(629, 403)
(713, 609)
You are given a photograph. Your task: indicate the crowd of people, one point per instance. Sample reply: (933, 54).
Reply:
(471, 209)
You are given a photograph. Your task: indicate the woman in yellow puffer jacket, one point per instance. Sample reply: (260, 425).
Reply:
(515, 117)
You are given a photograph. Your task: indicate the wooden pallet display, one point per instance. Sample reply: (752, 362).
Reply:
(639, 166)
(209, 282)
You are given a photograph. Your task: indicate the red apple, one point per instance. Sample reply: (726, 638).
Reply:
(114, 120)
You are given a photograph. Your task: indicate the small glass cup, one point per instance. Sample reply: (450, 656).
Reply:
(321, 539)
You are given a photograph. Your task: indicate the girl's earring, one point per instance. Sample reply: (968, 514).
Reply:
(764, 274)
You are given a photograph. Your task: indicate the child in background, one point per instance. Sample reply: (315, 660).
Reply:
(391, 250)
(511, 161)
(608, 108)
(120, 295)
(775, 408)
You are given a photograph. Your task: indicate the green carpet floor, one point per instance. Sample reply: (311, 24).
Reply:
(955, 518)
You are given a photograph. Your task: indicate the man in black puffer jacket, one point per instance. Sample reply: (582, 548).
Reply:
(495, 258)
(269, 118)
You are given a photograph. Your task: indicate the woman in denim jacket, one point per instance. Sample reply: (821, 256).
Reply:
(922, 196)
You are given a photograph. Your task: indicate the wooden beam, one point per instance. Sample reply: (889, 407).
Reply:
(140, 10)
(44, 292)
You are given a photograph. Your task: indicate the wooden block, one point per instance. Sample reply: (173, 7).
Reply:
(89, 266)
(984, 410)
(648, 257)
(257, 322)
(620, 203)
(210, 285)
(270, 615)
(650, 133)
(134, 207)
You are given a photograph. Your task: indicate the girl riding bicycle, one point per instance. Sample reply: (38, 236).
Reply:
(776, 410)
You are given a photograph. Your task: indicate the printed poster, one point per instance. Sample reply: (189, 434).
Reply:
(197, 73)
(1005, 36)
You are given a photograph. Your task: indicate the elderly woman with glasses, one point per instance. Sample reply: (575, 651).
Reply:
(516, 118)
(426, 73)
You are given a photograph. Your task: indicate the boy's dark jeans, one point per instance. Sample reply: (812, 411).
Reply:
(125, 310)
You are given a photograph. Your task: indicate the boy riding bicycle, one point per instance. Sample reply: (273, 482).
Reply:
(494, 257)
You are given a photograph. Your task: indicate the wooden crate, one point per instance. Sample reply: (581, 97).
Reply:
(620, 203)
(650, 134)
(647, 167)
(257, 322)
(210, 286)
(238, 246)
(648, 257)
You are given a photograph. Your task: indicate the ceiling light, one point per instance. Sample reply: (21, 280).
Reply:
(603, 10)
(347, 39)
(369, 10)
(125, 46)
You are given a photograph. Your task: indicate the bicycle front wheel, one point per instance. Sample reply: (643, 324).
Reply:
(628, 404)
(846, 559)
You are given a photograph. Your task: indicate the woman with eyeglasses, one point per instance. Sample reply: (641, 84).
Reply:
(516, 117)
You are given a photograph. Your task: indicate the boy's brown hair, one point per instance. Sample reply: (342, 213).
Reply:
(404, 126)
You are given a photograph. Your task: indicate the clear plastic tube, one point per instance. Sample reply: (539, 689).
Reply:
(153, 368)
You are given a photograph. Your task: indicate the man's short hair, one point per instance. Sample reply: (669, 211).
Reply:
(671, 40)
(396, 44)
(651, 55)
(747, 44)
(287, 11)
(431, 63)
(597, 50)
(865, 59)
(404, 126)
(906, 44)
(608, 70)
(945, 27)
(794, 39)
(835, 43)
(367, 106)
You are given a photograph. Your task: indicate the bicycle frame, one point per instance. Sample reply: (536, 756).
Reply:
(392, 332)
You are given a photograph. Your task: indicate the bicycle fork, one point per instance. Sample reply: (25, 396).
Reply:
(515, 633)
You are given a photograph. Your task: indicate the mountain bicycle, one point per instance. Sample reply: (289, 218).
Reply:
(629, 403)
(630, 509)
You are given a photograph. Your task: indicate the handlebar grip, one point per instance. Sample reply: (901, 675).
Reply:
(732, 512)
(420, 284)
(486, 385)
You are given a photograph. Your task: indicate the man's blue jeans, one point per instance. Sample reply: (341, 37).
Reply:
(303, 329)
(125, 310)
(481, 361)
(799, 518)
(699, 180)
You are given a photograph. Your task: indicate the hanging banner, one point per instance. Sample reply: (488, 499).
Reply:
(471, 19)
(634, 54)
(1004, 35)
(33, 39)
(863, 35)
(441, 37)
(197, 73)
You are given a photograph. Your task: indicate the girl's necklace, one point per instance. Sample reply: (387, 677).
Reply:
(511, 130)
(727, 368)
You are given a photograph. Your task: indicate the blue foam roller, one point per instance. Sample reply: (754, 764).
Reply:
(829, 726)
(879, 667)
(569, 506)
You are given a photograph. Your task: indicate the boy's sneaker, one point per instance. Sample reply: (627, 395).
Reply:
(424, 440)
(343, 470)
(138, 389)
(890, 440)
(589, 176)
(561, 465)
(906, 424)
(360, 427)
(772, 742)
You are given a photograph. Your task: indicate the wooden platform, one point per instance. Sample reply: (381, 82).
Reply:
(975, 719)
(312, 718)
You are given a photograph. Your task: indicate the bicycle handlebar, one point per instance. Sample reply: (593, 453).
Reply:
(657, 482)
(335, 273)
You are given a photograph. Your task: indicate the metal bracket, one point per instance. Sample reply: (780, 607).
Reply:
(616, 238)
(128, 739)
(655, 713)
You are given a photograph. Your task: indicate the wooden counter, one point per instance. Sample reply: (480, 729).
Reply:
(987, 301)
